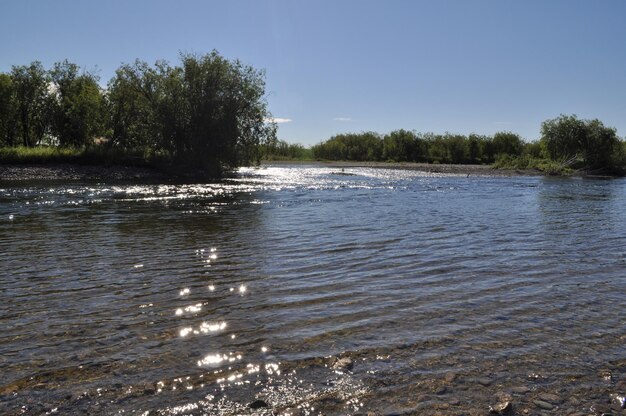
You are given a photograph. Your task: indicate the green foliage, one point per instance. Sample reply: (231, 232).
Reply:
(408, 146)
(475, 148)
(534, 149)
(8, 111)
(281, 150)
(85, 156)
(78, 106)
(584, 144)
(208, 113)
(525, 162)
(507, 143)
(449, 148)
(33, 102)
(402, 146)
(351, 146)
(36, 155)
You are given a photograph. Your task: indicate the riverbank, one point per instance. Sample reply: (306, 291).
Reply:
(471, 170)
(77, 172)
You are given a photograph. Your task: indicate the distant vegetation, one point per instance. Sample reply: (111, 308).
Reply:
(281, 150)
(409, 146)
(207, 114)
(566, 144)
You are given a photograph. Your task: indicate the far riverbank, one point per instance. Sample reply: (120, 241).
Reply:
(77, 172)
(477, 170)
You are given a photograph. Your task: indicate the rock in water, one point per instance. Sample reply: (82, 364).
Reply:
(543, 405)
(343, 364)
(503, 408)
(257, 404)
(620, 400)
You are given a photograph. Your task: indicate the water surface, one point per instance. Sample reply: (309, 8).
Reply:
(447, 293)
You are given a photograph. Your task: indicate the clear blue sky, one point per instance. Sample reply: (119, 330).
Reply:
(336, 66)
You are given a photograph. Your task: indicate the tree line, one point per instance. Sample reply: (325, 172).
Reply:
(409, 146)
(206, 112)
(566, 143)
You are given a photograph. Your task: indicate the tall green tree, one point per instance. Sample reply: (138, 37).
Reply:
(78, 105)
(33, 102)
(8, 111)
(131, 99)
(400, 146)
(351, 146)
(507, 143)
(209, 112)
(227, 109)
(590, 143)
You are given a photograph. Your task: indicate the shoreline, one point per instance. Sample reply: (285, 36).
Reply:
(77, 172)
(477, 170)
(120, 173)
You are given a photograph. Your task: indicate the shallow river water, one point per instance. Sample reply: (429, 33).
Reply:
(308, 290)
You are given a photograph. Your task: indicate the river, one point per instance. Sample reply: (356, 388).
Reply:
(314, 290)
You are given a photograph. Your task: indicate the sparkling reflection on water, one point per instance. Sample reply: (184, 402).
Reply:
(313, 290)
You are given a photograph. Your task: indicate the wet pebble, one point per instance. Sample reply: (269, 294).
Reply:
(8, 390)
(503, 408)
(550, 398)
(520, 390)
(619, 400)
(449, 377)
(543, 405)
(606, 375)
(454, 401)
(343, 364)
(257, 404)
(601, 410)
(484, 381)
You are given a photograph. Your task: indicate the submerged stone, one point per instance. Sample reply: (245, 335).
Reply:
(520, 390)
(550, 398)
(343, 364)
(484, 381)
(503, 408)
(257, 404)
(543, 405)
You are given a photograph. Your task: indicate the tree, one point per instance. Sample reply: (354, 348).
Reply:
(132, 108)
(227, 109)
(587, 144)
(78, 105)
(400, 146)
(507, 143)
(8, 111)
(209, 112)
(351, 146)
(457, 148)
(33, 102)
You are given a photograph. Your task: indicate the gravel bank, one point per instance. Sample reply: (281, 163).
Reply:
(480, 170)
(70, 172)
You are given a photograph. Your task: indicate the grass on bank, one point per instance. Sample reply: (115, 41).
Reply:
(527, 162)
(96, 156)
